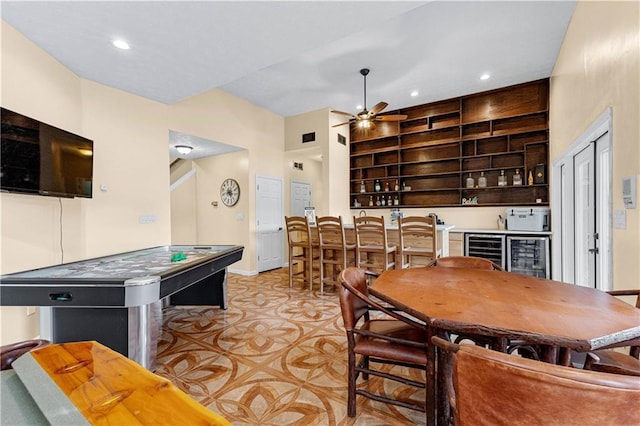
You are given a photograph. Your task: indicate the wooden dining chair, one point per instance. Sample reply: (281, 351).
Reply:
(615, 361)
(301, 250)
(486, 387)
(373, 251)
(394, 339)
(469, 262)
(417, 239)
(12, 351)
(335, 252)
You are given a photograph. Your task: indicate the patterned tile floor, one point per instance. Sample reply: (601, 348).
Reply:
(276, 356)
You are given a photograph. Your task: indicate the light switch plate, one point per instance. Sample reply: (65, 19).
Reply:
(620, 219)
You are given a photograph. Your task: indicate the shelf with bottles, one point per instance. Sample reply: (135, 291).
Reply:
(518, 195)
(375, 186)
(380, 200)
(494, 177)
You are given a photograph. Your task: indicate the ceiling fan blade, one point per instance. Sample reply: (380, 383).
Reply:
(391, 117)
(341, 124)
(378, 107)
(343, 113)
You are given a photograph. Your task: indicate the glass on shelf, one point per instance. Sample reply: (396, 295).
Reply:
(502, 179)
(482, 180)
(517, 178)
(470, 181)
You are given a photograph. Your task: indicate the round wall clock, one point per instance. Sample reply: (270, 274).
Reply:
(230, 192)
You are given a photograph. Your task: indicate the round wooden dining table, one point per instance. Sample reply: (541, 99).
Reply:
(505, 305)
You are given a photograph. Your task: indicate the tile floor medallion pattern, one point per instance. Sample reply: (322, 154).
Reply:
(276, 356)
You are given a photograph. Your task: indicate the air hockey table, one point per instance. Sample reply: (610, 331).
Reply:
(117, 300)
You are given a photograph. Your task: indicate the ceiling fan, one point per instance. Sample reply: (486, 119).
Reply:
(366, 119)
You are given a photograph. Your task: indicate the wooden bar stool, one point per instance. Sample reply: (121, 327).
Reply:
(335, 252)
(301, 250)
(373, 251)
(417, 238)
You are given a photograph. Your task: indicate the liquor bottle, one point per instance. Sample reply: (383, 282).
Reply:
(502, 179)
(404, 186)
(386, 187)
(377, 187)
(470, 181)
(396, 201)
(371, 200)
(396, 187)
(377, 201)
(362, 187)
(530, 178)
(383, 202)
(389, 202)
(482, 180)
(517, 178)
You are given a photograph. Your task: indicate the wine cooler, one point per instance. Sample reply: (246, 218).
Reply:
(488, 246)
(529, 255)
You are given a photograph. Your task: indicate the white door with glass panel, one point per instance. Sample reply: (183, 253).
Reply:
(269, 223)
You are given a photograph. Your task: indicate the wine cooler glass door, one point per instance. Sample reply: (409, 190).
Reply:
(529, 256)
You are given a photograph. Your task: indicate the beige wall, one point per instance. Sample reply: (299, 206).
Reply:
(130, 137)
(598, 67)
(184, 229)
(221, 117)
(223, 224)
(131, 157)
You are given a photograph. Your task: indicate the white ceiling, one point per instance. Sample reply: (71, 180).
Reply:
(295, 57)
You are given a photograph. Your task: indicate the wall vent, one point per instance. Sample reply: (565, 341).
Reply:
(308, 137)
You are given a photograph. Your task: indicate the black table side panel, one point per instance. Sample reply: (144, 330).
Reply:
(173, 284)
(45, 296)
(108, 326)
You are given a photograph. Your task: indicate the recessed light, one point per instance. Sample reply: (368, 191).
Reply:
(415, 93)
(121, 44)
(485, 76)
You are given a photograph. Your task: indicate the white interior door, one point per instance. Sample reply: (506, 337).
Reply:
(585, 248)
(269, 225)
(300, 197)
(582, 209)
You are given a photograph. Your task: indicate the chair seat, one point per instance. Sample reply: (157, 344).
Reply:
(347, 246)
(417, 250)
(616, 362)
(377, 347)
(377, 248)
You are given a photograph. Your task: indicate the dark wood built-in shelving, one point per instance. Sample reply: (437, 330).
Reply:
(435, 149)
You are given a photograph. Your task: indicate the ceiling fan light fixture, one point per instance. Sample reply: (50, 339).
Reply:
(364, 124)
(184, 149)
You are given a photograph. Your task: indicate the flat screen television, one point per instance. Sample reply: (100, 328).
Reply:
(37, 158)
